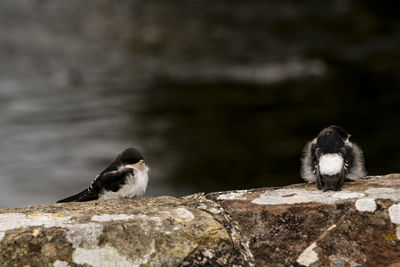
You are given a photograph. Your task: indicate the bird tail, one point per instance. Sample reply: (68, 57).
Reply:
(85, 195)
(333, 182)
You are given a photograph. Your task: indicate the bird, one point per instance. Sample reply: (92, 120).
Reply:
(331, 158)
(127, 176)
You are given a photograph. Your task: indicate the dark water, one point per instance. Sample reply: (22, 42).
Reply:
(217, 97)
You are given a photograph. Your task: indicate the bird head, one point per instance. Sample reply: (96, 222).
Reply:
(130, 156)
(332, 139)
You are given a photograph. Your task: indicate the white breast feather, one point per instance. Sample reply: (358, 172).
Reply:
(330, 164)
(135, 185)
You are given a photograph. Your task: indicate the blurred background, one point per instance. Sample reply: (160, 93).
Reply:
(216, 95)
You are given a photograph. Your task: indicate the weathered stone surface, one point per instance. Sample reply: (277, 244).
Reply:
(295, 225)
(126, 232)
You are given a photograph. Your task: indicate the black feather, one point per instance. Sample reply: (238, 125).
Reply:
(85, 195)
(111, 181)
(331, 140)
(111, 178)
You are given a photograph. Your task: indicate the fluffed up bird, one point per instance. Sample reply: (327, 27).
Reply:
(127, 176)
(330, 158)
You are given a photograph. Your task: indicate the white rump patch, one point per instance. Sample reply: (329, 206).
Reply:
(330, 164)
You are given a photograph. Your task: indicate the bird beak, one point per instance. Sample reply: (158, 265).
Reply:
(141, 161)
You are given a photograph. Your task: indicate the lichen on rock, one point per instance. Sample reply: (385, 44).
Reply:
(294, 225)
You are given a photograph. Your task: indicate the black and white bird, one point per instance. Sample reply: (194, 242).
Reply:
(127, 176)
(330, 158)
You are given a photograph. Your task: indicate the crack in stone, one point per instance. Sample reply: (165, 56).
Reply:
(220, 215)
(309, 256)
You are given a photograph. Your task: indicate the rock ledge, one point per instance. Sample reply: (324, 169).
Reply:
(295, 225)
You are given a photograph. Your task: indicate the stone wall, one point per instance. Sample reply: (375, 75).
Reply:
(294, 225)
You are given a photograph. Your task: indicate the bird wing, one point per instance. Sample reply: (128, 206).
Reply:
(111, 168)
(308, 162)
(357, 169)
(112, 180)
(108, 180)
(85, 195)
